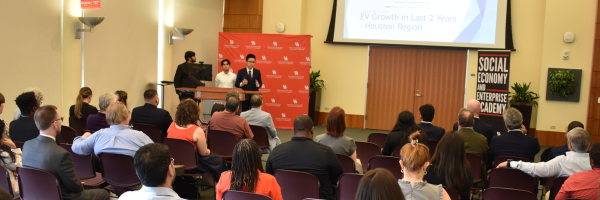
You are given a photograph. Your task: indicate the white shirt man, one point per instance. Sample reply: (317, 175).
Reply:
(226, 78)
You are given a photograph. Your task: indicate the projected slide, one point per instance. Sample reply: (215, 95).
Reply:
(452, 21)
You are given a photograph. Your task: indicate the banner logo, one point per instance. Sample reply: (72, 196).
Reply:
(285, 87)
(284, 90)
(264, 60)
(253, 46)
(305, 91)
(274, 43)
(297, 47)
(264, 57)
(272, 100)
(296, 73)
(297, 44)
(285, 58)
(274, 72)
(274, 75)
(230, 41)
(241, 56)
(296, 76)
(306, 87)
(295, 101)
(263, 86)
(253, 43)
(274, 47)
(295, 104)
(307, 61)
(272, 104)
(282, 114)
(220, 55)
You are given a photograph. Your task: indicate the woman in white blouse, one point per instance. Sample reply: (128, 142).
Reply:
(10, 158)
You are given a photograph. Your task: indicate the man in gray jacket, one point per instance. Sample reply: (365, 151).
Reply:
(256, 116)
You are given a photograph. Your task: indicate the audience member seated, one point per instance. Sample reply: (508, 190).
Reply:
(562, 150)
(379, 184)
(39, 96)
(583, 185)
(228, 121)
(513, 142)
(414, 162)
(43, 153)
(24, 128)
(82, 108)
(247, 173)
(449, 166)
(97, 121)
(304, 154)
(220, 107)
(2, 101)
(335, 138)
(399, 136)
(149, 113)
(121, 96)
(576, 160)
(155, 169)
(10, 158)
(119, 138)
(433, 132)
(479, 126)
(256, 116)
(184, 128)
(474, 142)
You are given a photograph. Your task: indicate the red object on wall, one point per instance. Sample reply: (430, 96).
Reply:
(90, 4)
(284, 63)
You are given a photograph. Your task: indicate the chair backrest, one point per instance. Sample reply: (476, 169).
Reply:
(378, 139)
(5, 182)
(432, 144)
(501, 159)
(297, 185)
(261, 136)
(153, 132)
(454, 195)
(38, 184)
(365, 151)
(66, 136)
(235, 195)
(118, 170)
(346, 162)
(507, 193)
(19, 144)
(387, 162)
(183, 151)
(511, 178)
(396, 152)
(476, 163)
(78, 124)
(83, 164)
(221, 143)
(558, 182)
(544, 156)
(347, 186)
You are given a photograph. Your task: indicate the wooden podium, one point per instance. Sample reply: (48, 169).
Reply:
(215, 93)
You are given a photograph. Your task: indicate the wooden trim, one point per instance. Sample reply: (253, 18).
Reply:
(352, 121)
(551, 138)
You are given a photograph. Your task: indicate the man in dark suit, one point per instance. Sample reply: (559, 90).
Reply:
(433, 132)
(43, 153)
(248, 79)
(24, 128)
(513, 142)
(480, 127)
(149, 113)
(185, 78)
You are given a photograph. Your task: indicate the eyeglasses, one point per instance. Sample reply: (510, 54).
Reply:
(61, 119)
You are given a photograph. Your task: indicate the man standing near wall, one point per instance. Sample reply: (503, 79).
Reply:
(185, 78)
(248, 79)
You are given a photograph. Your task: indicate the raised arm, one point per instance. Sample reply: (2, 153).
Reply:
(84, 145)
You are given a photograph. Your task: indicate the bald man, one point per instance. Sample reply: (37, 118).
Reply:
(480, 127)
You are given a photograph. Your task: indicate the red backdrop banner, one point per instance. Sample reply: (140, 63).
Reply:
(284, 63)
(90, 4)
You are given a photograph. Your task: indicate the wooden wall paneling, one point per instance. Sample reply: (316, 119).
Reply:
(551, 138)
(236, 21)
(391, 82)
(352, 121)
(595, 61)
(243, 16)
(593, 127)
(595, 79)
(239, 7)
(255, 21)
(593, 121)
(440, 79)
(594, 106)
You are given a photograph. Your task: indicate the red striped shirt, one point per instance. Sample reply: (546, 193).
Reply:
(581, 185)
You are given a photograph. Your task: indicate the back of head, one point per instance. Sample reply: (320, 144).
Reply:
(405, 122)
(188, 55)
(232, 93)
(595, 154)
(105, 100)
(575, 124)
(579, 139)
(513, 118)
(256, 101)
(379, 184)
(121, 96)
(116, 113)
(414, 154)
(45, 116)
(150, 95)
(474, 106)
(450, 159)
(2, 100)
(465, 118)
(84, 93)
(232, 104)
(187, 113)
(245, 166)
(26, 102)
(303, 124)
(152, 163)
(336, 122)
(39, 95)
(427, 112)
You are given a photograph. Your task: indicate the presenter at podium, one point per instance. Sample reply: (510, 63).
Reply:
(248, 79)
(185, 76)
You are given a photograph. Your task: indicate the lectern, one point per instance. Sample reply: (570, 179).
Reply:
(215, 93)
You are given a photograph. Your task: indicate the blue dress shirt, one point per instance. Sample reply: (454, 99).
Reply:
(116, 139)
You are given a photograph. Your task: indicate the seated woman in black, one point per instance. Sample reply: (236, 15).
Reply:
(82, 108)
(399, 136)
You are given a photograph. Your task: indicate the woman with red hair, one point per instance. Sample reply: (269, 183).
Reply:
(335, 138)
